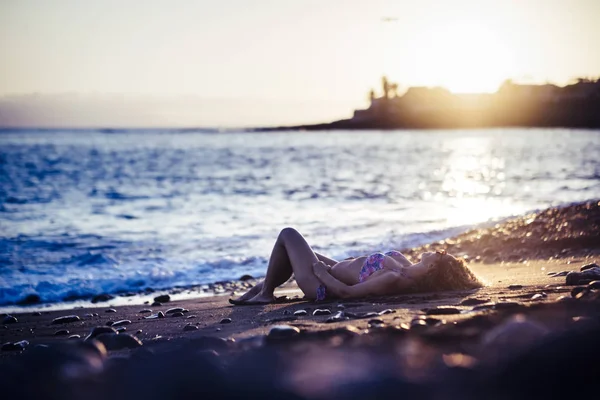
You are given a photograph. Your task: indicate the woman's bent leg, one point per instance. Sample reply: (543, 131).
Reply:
(291, 253)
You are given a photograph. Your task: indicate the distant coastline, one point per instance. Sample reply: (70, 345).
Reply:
(513, 105)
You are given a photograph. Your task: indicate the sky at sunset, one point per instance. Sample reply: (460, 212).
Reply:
(267, 62)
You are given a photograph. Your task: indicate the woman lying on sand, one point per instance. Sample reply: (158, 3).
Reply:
(378, 274)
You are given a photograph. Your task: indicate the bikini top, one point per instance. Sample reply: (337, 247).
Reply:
(374, 263)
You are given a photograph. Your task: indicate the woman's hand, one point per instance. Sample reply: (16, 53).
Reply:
(320, 268)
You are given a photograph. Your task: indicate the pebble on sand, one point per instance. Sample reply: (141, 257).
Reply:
(515, 287)
(9, 319)
(99, 330)
(375, 323)
(225, 321)
(174, 310)
(163, 298)
(65, 319)
(62, 332)
(121, 322)
(300, 313)
(114, 341)
(190, 327)
(177, 314)
(16, 346)
(145, 311)
(321, 311)
(443, 311)
(339, 316)
(110, 310)
(74, 337)
(283, 332)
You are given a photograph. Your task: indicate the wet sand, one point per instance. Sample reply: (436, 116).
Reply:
(420, 340)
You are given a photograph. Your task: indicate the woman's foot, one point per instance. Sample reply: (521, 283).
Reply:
(261, 298)
(248, 295)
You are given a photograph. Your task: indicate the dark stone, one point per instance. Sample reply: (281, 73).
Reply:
(375, 323)
(225, 321)
(589, 266)
(102, 297)
(418, 323)
(190, 327)
(65, 319)
(300, 313)
(17, 346)
(321, 311)
(174, 310)
(558, 274)
(577, 290)
(145, 311)
(473, 302)
(9, 319)
(177, 314)
(156, 304)
(121, 329)
(583, 278)
(61, 332)
(36, 314)
(121, 322)
(160, 314)
(362, 315)
(139, 331)
(443, 311)
(282, 332)
(515, 287)
(114, 341)
(110, 310)
(595, 285)
(163, 298)
(339, 316)
(30, 299)
(99, 330)
(246, 277)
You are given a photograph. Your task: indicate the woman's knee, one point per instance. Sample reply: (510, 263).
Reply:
(288, 233)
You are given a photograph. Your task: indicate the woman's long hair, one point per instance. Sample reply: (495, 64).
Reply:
(448, 273)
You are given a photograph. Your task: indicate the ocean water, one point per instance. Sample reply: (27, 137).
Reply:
(84, 212)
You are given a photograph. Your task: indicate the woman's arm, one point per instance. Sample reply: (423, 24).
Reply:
(326, 260)
(380, 285)
(405, 262)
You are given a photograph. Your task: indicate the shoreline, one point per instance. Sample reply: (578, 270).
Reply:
(529, 333)
(487, 242)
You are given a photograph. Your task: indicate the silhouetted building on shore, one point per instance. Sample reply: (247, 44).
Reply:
(576, 105)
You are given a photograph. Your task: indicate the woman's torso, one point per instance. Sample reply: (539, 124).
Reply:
(348, 271)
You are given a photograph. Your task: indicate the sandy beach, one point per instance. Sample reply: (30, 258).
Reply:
(435, 345)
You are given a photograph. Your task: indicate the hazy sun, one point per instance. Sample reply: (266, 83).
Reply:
(462, 56)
